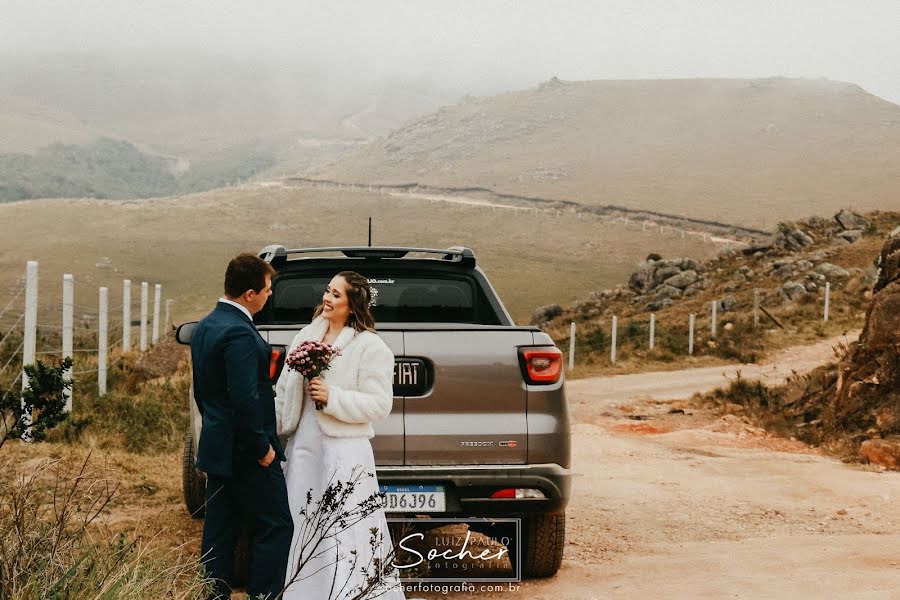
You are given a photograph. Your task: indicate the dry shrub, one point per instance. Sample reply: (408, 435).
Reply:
(52, 544)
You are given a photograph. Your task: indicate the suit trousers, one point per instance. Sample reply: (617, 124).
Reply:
(254, 497)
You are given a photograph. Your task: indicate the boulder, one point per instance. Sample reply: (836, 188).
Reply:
(659, 304)
(889, 261)
(545, 314)
(850, 220)
(667, 291)
(831, 271)
(880, 333)
(728, 303)
(851, 235)
(761, 246)
(689, 264)
(793, 290)
(641, 281)
(803, 238)
(881, 452)
(663, 273)
(682, 280)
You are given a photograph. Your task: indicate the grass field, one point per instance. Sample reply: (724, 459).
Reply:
(184, 243)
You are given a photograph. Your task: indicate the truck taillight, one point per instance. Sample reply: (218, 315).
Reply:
(541, 365)
(276, 362)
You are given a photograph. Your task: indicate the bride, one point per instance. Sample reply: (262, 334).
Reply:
(330, 423)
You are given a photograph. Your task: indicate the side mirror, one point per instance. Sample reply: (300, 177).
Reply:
(184, 332)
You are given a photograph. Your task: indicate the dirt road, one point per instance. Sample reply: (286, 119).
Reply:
(695, 506)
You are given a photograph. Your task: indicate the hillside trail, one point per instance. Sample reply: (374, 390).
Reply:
(645, 222)
(672, 501)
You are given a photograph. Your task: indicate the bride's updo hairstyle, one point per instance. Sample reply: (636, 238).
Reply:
(359, 297)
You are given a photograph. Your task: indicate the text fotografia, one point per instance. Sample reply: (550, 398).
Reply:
(457, 550)
(459, 588)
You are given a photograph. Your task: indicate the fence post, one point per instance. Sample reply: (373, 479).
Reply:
(572, 346)
(126, 315)
(612, 348)
(29, 344)
(144, 290)
(755, 309)
(168, 322)
(715, 307)
(652, 329)
(691, 335)
(68, 312)
(104, 341)
(827, 298)
(157, 291)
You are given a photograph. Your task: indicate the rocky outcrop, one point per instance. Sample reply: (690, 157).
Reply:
(850, 221)
(658, 282)
(867, 392)
(545, 314)
(846, 228)
(881, 452)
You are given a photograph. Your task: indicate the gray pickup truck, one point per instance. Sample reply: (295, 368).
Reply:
(480, 423)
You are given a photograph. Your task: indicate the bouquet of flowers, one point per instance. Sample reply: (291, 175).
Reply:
(311, 359)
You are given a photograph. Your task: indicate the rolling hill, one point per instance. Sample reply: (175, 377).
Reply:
(748, 152)
(184, 243)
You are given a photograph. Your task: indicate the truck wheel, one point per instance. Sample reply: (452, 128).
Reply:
(544, 538)
(193, 484)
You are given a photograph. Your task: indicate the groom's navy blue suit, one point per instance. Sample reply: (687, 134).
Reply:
(235, 398)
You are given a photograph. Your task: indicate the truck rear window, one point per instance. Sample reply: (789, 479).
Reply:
(398, 299)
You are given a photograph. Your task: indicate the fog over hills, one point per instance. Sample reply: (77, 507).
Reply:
(190, 125)
(749, 152)
(208, 93)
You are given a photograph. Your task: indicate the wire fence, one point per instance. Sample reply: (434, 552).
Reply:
(712, 323)
(84, 329)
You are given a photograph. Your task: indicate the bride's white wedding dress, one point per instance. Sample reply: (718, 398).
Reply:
(315, 460)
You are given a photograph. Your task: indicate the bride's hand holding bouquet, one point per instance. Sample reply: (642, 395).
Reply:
(311, 359)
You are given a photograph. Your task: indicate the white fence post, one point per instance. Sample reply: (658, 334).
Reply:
(612, 348)
(104, 341)
(827, 298)
(755, 309)
(144, 290)
(157, 291)
(167, 324)
(126, 315)
(68, 314)
(652, 329)
(572, 346)
(715, 307)
(29, 344)
(691, 335)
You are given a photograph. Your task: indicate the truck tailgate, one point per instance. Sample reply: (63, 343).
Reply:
(474, 411)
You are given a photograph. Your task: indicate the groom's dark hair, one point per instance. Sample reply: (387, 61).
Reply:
(246, 272)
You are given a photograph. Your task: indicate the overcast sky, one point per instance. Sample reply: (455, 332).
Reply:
(482, 46)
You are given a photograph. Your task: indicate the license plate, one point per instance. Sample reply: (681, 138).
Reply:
(414, 498)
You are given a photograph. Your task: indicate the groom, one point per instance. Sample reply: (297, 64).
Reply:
(239, 450)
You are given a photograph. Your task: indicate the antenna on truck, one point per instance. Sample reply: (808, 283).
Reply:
(370, 232)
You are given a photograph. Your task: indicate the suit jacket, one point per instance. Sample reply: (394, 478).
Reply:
(233, 392)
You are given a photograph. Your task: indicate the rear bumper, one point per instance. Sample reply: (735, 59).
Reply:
(468, 488)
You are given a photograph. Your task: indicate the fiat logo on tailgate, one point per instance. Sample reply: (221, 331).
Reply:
(411, 377)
